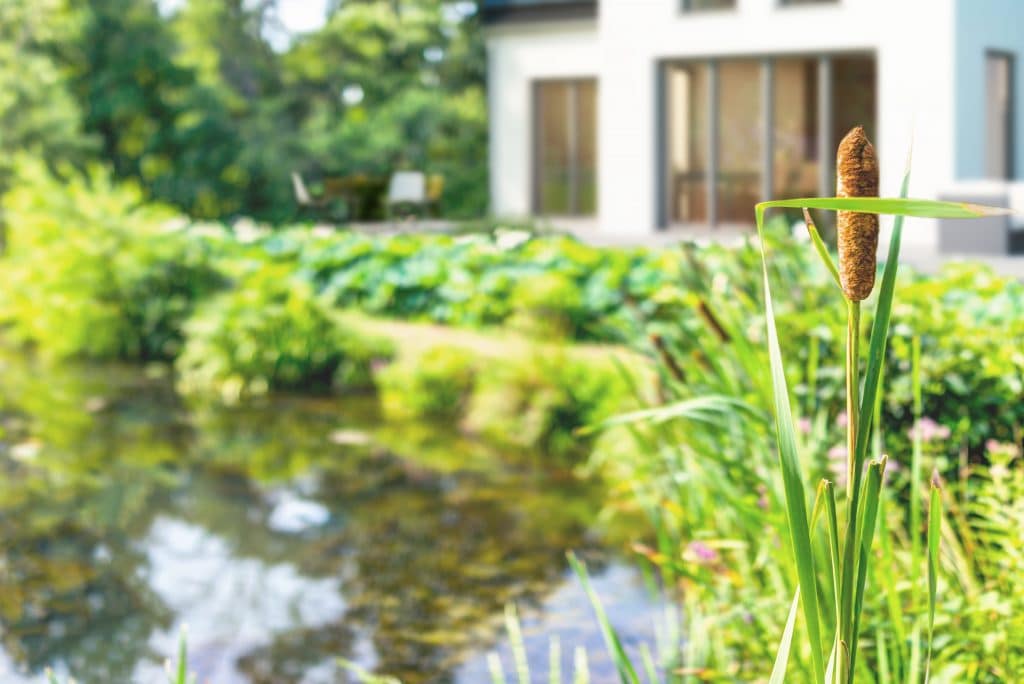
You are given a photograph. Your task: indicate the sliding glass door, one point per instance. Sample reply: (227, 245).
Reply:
(739, 130)
(565, 147)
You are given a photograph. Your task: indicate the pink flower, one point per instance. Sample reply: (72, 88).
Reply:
(994, 447)
(929, 431)
(842, 420)
(803, 425)
(837, 466)
(704, 554)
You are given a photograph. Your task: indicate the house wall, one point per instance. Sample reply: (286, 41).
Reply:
(915, 94)
(911, 39)
(982, 26)
(518, 55)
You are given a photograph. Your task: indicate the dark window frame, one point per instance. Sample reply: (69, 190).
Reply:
(1009, 149)
(787, 4)
(686, 6)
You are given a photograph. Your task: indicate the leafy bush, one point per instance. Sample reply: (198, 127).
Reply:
(271, 332)
(93, 271)
(539, 400)
(435, 384)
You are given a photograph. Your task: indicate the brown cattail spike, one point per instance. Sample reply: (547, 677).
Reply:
(857, 176)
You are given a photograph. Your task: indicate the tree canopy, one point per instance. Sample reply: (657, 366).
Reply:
(192, 100)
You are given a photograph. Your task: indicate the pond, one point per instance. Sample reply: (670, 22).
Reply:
(286, 533)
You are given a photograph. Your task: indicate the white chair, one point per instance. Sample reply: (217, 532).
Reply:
(407, 187)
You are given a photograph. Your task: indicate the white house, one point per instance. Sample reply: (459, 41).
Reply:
(647, 115)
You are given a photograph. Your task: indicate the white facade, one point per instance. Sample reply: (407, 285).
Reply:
(930, 83)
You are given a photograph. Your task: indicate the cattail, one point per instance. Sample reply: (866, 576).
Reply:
(857, 176)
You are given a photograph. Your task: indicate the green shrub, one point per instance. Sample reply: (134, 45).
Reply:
(271, 332)
(548, 304)
(93, 271)
(435, 384)
(540, 400)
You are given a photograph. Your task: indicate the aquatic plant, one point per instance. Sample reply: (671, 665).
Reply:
(832, 616)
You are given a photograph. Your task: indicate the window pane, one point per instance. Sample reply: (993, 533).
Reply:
(795, 138)
(853, 96)
(586, 153)
(740, 140)
(998, 113)
(566, 147)
(708, 4)
(553, 148)
(686, 98)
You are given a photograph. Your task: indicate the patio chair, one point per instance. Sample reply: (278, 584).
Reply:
(406, 188)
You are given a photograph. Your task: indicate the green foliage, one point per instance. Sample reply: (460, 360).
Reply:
(93, 271)
(539, 400)
(548, 304)
(210, 106)
(270, 331)
(436, 384)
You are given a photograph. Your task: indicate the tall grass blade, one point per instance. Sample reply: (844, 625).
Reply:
(872, 499)
(792, 475)
(627, 674)
(555, 661)
(917, 449)
(782, 657)
(515, 637)
(648, 660)
(934, 529)
(496, 669)
(819, 246)
(580, 666)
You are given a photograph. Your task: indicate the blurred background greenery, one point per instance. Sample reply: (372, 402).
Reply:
(210, 105)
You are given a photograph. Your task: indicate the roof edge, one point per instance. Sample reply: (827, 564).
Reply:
(554, 11)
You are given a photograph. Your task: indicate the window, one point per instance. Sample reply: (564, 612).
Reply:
(999, 107)
(565, 147)
(698, 5)
(740, 140)
(688, 142)
(740, 130)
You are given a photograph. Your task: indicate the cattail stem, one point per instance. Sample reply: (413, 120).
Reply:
(852, 389)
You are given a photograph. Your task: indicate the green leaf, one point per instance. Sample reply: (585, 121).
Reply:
(822, 250)
(782, 657)
(897, 206)
(872, 499)
(934, 529)
(792, 475)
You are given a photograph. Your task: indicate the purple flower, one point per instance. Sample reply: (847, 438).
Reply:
(704, 554)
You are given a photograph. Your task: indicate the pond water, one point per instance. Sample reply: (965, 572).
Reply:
(287, 534)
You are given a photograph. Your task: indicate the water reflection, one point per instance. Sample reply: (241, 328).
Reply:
(286, 533)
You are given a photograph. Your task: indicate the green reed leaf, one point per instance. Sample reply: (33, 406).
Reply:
(627, 674)
(896, 206)
(819, 246)
(872, 499)
(934, 530)
(792, 475)
(782, 657)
